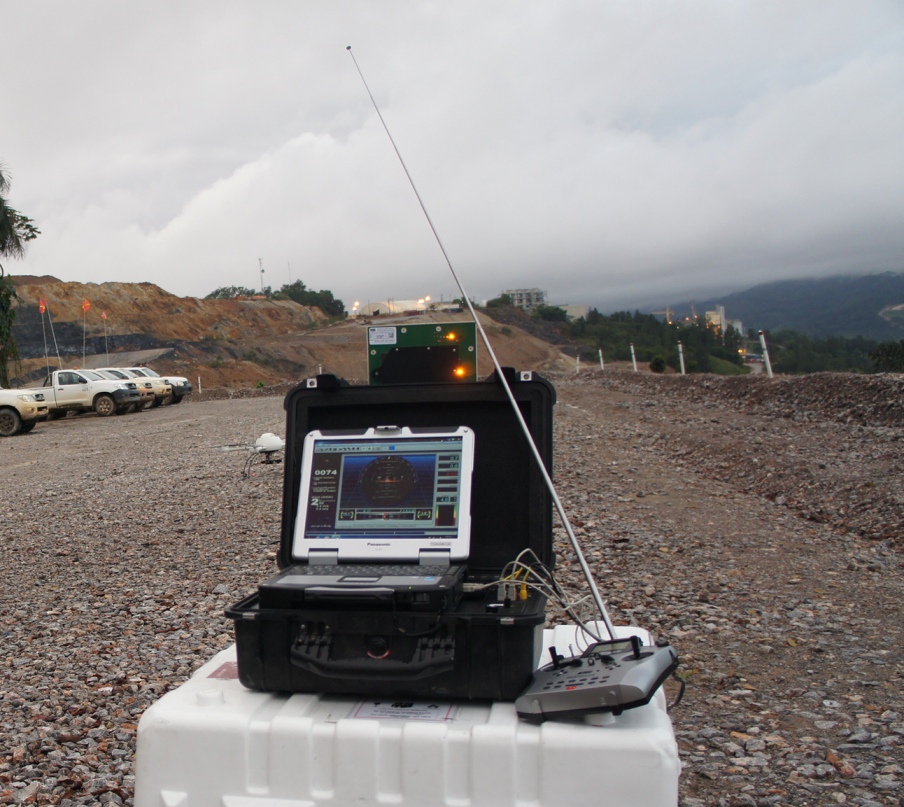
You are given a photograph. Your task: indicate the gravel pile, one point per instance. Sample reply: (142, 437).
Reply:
(125, 538)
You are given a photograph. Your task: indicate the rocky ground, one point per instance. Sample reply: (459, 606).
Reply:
(755, 523)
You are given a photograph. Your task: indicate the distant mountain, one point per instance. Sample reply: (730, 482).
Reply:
(871, 306)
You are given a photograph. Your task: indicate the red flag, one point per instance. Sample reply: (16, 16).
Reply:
(85, 306)
(103, 314)
(42, 305)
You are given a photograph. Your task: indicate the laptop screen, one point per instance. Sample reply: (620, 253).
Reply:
(385, 495)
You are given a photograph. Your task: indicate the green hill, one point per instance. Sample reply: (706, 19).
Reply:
(835, 306)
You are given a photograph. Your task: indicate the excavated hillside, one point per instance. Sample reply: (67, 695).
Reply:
(227, 343)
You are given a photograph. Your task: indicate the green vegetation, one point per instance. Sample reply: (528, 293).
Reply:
(302, 295)
(16, 231)
(889, 357)
(796, 353)
(551, 313)
(821, 307)
(297, 291)
(231, 293)
(706, 349)
(496, 302)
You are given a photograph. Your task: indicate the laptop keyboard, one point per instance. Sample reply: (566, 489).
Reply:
(372, 570)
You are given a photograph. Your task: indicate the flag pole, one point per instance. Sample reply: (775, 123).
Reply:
(103, 316)
(85, 306)
(42, 307)
(56, 347)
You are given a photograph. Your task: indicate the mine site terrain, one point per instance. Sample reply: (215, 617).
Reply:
(233, 344)
(755, 523)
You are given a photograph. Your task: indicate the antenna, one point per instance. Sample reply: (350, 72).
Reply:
(572, 539)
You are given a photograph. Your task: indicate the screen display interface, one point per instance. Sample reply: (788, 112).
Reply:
(381, 487)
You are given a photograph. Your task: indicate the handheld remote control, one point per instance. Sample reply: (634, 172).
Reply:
(607, 677)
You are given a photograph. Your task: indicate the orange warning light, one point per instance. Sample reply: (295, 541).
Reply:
(460, 372)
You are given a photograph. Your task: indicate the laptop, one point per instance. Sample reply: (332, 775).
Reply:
(383, 520)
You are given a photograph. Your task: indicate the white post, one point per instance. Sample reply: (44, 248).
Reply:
(602, 363)
(681, 356)
(199, 385)
(766, 354)
(577, 364)
(633, 357)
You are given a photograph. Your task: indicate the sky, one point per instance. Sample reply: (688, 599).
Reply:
(614, 153)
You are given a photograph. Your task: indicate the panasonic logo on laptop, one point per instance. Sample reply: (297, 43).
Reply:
(371, 543)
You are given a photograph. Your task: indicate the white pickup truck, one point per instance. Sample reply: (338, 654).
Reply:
(86, 391)
(181, 386)
(20, 411)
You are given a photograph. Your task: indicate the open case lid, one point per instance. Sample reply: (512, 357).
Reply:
(511, 509)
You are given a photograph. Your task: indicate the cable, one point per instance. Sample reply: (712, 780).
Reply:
(682, 686)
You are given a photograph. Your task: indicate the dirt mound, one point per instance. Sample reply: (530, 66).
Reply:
(791, 440)
(224, 343)
(868, 400)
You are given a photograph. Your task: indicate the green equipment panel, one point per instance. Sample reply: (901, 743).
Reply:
(407, 354)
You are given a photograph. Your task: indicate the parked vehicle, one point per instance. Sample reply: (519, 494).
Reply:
(20, 411)
(151, 394)
(181, 386)
(86, 391)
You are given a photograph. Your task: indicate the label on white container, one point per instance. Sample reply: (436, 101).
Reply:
(400, 709)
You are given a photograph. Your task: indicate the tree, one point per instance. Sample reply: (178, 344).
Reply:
(16, 231)
(889, 357)
(230, 293)
(322, 299)
(550, 313)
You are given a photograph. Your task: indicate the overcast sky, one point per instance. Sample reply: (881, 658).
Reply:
(614, 153)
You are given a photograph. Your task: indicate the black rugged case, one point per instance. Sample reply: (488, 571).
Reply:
(481, 650)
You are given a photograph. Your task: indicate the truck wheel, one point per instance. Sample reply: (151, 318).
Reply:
(157, 402)
(27, 426)
(104, 405)
(175, 399)
(10, 422)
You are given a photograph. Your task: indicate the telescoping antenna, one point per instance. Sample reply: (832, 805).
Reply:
(598, 600)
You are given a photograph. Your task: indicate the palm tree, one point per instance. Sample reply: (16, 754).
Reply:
(15, 231)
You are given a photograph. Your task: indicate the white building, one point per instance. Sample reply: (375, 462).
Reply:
(528, 299)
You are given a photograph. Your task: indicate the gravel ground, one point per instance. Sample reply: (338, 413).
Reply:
(757, 524)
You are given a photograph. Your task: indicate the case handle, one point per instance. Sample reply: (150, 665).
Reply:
(430, 658)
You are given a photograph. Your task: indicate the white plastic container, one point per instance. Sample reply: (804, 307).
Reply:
(213, 743)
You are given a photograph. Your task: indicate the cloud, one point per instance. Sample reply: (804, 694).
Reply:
(607, 152)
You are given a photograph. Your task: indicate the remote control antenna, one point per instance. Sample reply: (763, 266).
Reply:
(572, 539)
